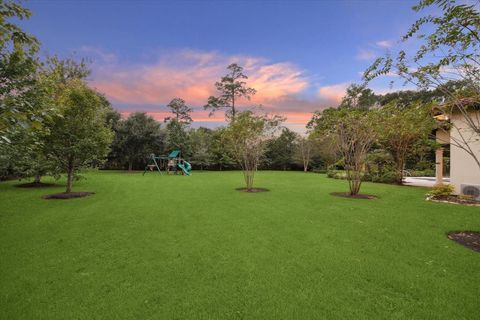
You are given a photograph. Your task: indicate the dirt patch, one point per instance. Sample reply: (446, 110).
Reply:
(253, 190)
(455, 200)
(469, 239)
(71, 195)
(34, 185)
(357, 196)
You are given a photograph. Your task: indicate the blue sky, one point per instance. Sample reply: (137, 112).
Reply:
(301, 54)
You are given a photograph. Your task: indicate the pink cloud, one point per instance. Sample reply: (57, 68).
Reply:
(333, 93)
(148, 86)
(191, 75)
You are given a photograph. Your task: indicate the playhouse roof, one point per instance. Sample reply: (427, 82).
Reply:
(174, 154)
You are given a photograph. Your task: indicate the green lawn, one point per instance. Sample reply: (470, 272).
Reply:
(174, 247)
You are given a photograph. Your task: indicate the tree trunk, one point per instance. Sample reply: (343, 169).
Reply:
(400, 164)
(130, 165)
(399, 176)
(248, 175)
(37, 178)
(305, 166)
(69, 179)
(233, 104)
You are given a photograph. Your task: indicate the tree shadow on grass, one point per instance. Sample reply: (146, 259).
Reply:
(36, 185)
(70, 195)
(252, 190)
(356, 196)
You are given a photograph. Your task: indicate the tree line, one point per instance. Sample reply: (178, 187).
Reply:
(52, 122)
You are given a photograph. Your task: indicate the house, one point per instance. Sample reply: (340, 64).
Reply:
(459, 132)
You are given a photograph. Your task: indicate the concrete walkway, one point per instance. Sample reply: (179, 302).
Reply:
(422, 181)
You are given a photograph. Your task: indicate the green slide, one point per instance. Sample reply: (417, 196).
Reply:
(186, 167)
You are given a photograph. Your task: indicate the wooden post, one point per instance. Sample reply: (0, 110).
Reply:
(439, 166)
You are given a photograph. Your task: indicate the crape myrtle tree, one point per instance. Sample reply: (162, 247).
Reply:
(135, 138)
(304, 150)
(448, 51)
(181, 112)
(400, 129)
(79, 136)
(231, 87)
(353, 133)
(247, 138)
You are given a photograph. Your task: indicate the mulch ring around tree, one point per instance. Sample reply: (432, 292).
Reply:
(70, 195)
(454, 200)
(34, 185)
(469, 239)
(252, 190)
(356, 196)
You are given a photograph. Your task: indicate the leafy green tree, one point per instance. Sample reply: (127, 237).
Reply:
(136, 138)
(281, 150)
(180, 110)
(200, 140)
(405, 98)
(78, 136)
(231, 87)
(113, 117)
(64, 70)
(246, 138)
(177, 137)
(18, 72)
(26, 156)
(321, 120)
(358, 97)
(399, 129)
(219, 153)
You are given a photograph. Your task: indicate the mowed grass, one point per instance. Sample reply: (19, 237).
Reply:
(175, 247)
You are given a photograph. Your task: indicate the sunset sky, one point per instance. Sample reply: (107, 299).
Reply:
(300, 56)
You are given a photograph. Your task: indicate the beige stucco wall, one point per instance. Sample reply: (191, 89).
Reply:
(463, 168)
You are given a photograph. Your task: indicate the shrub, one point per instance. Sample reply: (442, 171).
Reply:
(422, 173)
(386, 177)
(442, 190)
(466, 197)
(336, 174)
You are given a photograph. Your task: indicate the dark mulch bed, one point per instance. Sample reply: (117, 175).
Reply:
(455, 199)
(357, 196)
(253, 190)
(35, 185)
(469, 239)
(71, 195)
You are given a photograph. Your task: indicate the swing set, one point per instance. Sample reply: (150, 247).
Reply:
(170, 164)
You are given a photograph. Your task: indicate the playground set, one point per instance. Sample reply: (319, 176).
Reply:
(170, 164)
